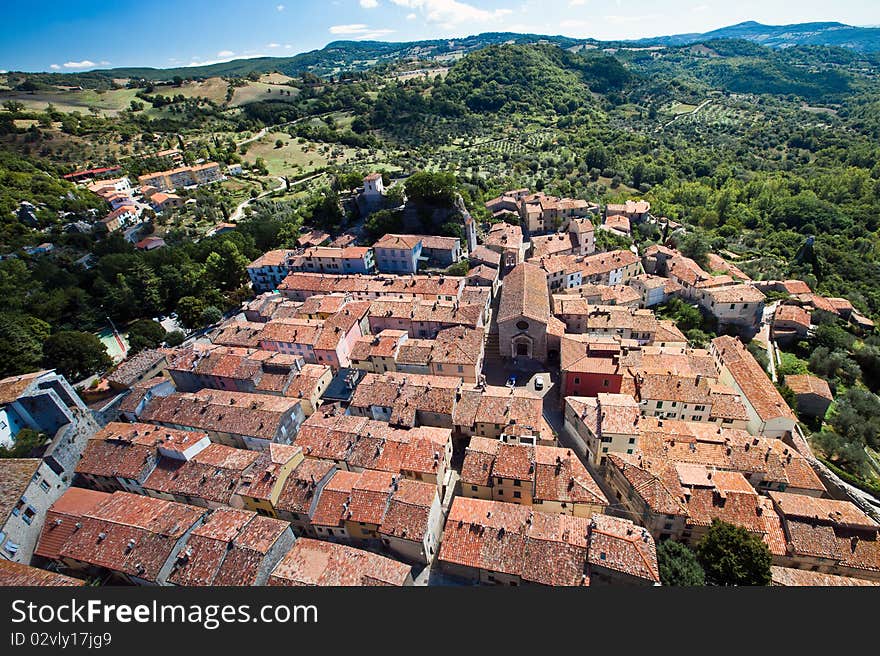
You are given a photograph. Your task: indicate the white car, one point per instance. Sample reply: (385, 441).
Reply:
(539, 383)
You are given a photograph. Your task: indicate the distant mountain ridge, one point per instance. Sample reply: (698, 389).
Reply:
(861, 39)
(346, 56)
(343, 56)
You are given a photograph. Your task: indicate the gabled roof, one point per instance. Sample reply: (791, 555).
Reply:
(524, 293)
(314, 562)
(19, 575)
(62, 517)
(131, 534)
(230, 548)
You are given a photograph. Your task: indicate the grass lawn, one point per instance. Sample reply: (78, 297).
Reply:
(621, 189)
(342, 120)
(275, 78)
(295, 158)
(108, 103)
(214, 89)
(681, 108)
(256, 91)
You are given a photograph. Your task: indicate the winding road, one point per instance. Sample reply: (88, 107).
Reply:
(239, 210)
(696, 109)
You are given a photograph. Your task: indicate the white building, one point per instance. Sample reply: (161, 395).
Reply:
(28, 486)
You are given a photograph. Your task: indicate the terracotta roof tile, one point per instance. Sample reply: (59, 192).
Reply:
(752, 380)
(313, 562)
(139, 534)
(19, 575)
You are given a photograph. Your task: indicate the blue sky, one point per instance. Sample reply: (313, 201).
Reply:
(75, 35)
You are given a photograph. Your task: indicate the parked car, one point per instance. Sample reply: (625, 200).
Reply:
(511, 382)
(539, 383)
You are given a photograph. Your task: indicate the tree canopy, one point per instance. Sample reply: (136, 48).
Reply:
(730, 555)
(678, 565)
(76, 355)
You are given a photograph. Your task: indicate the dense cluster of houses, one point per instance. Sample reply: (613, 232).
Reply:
(394, 254)
(131, 206)
(341, 429)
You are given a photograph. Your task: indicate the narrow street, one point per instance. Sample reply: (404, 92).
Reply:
(764, 336)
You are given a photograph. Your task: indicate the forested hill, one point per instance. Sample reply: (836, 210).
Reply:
(514, 78)
(342, 56)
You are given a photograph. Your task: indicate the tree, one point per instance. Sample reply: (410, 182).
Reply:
(431, 188)
(175, 338)
(685, 316)
(211, 315)
(759, 352)
(13, 106)
(226, 266)
(857, 418)
(21, 343)
(26, 444)
(678, 565)
(394, 196)
(76, 355)
(144, 334)
(788, 395)
(382, 222)
(189, 311)
(848, 455)
(696, 246)
(730, 555)
(459, 268)
(326, 211)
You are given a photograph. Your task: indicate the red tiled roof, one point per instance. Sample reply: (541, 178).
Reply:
(754, 383)
(313, 562)
(230, 548)
(62, 517)
(139, 534)
(619, 545)
(806, 384)
(19, 575)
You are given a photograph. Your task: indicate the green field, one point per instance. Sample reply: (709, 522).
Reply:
(680, 108)
(108, 103)
(295, 158)
(214, 89)
(256, 91)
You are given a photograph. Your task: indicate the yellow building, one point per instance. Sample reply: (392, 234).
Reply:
(261, 489)
(551, 479)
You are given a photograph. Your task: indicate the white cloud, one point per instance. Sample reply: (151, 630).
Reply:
(273, 45)
(410, 17)
(369, 4)
(354, 28)
(104, 62)
(225, 53)
(55, 67)
(287, 46)
(452, 12)
(359, 31)
(85, 63)
(701, 8)
(280, 7)
(576, 3)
